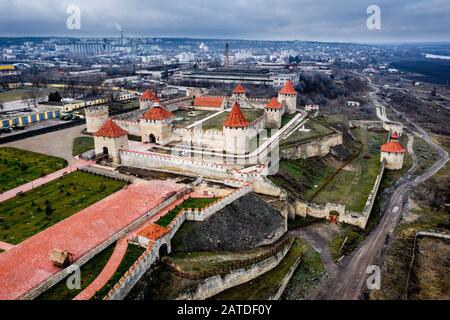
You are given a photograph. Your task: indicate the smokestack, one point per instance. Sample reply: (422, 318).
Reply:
(227, 55)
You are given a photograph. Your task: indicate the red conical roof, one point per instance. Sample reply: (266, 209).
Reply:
(395, 136)
(274, 104)
(110, 130)
(393, 146)
(239, 89)
(288, 88)
(157, 113)
(149, 95)
(236, 118)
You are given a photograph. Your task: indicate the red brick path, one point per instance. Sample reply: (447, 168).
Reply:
(107, 272)
(27, 265)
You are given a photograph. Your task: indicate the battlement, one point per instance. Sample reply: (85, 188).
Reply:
(96, 110)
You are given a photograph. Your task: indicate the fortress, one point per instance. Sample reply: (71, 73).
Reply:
(232, 139)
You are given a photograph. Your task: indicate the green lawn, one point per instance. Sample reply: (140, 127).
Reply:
(132, 254)
(189, 203)
(183, 118)
(265, 286)
(352, 187)
(302, 177)
(82, 144)
(36, 210)
(317, 130)
(286, 118)
(18, 167)
(89, 272)
(218, 121)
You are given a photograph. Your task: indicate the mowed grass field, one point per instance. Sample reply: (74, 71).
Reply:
(18, 167)
(26, 215)
(82, 144)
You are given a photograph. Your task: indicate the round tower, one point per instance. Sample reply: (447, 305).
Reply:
(288, 95)
(235, 129)
(393, 153)
(96, 117)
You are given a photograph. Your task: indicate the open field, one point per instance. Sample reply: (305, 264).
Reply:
(20, 94)
(183, 118)
(20, 166)
(38, 209)
(89, 272)
(302, 177)
(352, 185)
(58, 143)
(426, 155)
(430, 276)
(193, 203)
(317, 130)
(82, 144)
(133, 253)
(218, 121)
(265, 286)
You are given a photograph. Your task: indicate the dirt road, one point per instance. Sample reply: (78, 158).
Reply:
(349, 281)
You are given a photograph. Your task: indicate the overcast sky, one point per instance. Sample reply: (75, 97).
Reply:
(322, 20)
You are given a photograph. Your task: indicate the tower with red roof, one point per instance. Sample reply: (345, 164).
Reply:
(110, 139)
(236, 129)
(148, 100)
(156, 125)
(274, 113)
(288, 95)
(393, 153)
(239, 91)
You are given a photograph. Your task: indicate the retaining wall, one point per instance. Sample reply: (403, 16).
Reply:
(214, 285)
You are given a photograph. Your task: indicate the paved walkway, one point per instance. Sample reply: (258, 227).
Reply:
(27, 265)
(107, 272)
(46, 179)
(119, 253)
(58, 143)
(6, 246)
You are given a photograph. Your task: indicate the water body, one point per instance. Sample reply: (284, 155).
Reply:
(434, 71)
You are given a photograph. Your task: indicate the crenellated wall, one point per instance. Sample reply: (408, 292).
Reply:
(132, 127)
(209, 210)
(317, 147)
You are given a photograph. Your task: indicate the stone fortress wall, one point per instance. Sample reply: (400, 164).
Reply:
(151, 254)
(317, 147)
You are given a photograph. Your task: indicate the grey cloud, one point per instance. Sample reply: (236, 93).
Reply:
(328, 20)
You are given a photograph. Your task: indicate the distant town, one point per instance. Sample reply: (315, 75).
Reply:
(178, 168)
